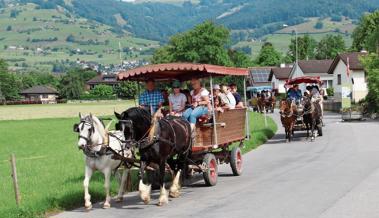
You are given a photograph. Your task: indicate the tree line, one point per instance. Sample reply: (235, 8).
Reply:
(70, 85)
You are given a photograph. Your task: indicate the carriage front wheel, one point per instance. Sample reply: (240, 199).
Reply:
(236, 161)
(210, 174)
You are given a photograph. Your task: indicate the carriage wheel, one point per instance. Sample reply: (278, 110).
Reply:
(211, 173)
(236, 161)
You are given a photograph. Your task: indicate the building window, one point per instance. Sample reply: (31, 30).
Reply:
(339, 79)
(45, 96)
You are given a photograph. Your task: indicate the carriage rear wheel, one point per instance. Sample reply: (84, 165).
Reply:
(211, 173)
(236, 161)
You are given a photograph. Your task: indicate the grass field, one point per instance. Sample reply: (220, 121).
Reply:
(22, 112)
(50, 167)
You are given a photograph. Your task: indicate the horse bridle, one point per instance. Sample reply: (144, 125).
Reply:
(90, 132)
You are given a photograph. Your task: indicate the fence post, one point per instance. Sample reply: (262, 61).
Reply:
(15, 181)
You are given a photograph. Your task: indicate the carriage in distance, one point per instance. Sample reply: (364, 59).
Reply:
(216, 132)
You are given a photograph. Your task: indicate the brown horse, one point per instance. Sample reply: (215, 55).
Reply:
(288, 117)
(312, 116)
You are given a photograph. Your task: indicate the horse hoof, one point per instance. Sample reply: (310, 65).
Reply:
(106, 206)
(88, 206)
(160, 204)
(146, 201)
(119, 199)
(174, 194)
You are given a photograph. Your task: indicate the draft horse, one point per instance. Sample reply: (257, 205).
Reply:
(98, 145)
(288, 115)
(312, 116)
(159, 140)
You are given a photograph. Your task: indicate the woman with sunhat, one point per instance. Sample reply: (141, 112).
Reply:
(177, 100)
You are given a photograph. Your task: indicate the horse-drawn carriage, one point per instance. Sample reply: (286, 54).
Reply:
(166, 144)
(216, 131)
(305, 113)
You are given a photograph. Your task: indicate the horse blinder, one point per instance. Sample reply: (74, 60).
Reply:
(76, 127)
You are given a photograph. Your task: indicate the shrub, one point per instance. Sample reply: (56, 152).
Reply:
(330, 91)
(102, 91)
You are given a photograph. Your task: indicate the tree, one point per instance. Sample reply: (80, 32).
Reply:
(330, 46)
(9, 84)
(371, 63)
(126, 89)
(239, 59)
(71, 85)
(365, 32)
(306, 48)
(102, 91)
(268, 56)
(319, 25)
(205, 43)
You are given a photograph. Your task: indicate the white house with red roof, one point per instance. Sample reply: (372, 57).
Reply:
(357, 75)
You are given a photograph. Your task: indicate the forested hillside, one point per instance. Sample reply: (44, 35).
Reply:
(157, 20)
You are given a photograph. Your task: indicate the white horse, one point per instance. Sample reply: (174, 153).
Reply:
(93, 140)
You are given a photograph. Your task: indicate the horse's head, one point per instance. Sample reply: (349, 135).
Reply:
(307, 103)
(91, 132)
(125, 125)
(134, 123)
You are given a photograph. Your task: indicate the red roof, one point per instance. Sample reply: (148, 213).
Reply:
(280, 73)
(354, 62)
(315, 66)
(304, 79)
(181, 71)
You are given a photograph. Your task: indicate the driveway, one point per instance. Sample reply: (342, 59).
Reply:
(336, 176)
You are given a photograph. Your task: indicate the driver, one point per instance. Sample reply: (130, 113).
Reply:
(294, 94)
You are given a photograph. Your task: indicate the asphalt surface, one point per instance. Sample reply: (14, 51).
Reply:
(336, 176)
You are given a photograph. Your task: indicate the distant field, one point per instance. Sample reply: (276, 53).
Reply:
(282, 38)
(22, 112)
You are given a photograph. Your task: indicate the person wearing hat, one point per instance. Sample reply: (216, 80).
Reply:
(177, 100)
(223, 100)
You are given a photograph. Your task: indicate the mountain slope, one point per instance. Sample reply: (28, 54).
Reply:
(157, 20)
(42, 37)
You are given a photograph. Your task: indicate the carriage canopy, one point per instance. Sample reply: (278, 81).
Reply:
(304, 79)
(180, 71)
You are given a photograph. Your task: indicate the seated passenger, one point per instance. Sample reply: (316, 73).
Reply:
(151, 99)
(237, 96)
(217, 104)
(294, 94)
(232, 101)
(177, 100)
(224, 101)
(200, 103)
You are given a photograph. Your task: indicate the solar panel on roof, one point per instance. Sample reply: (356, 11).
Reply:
(260, 75)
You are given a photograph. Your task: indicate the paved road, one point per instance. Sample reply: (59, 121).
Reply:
(336, 176)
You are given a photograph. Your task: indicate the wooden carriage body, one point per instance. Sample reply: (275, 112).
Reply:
(230, 128)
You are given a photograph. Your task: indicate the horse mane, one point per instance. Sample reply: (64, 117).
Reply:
(154, 123)
(100, 127)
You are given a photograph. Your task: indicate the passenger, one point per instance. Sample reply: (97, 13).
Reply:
(151, 99)
(177, 100)
(186, 92)
(200, 103)
(232, 101)
(217, 104)
(224, 101)
(237, 96)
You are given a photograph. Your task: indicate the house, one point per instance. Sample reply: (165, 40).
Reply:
(258, 79)
(338, 70)
(278, 77)
(103, 79)
(319, 68)
(45, 94)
